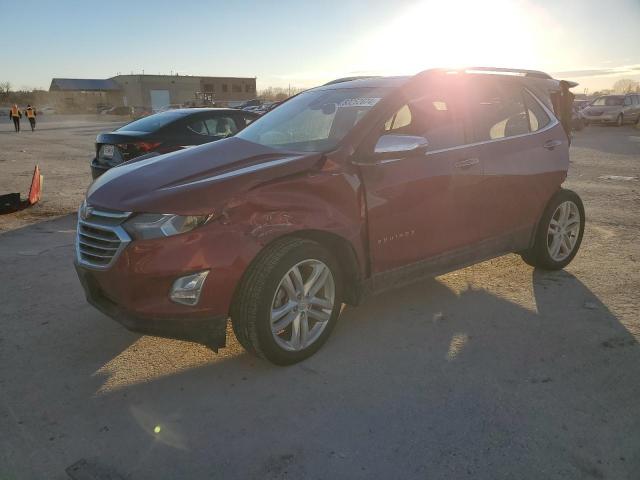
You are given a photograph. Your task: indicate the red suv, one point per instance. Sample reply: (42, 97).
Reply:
(351, 188)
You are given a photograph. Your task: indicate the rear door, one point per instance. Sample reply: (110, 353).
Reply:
(420, 203)
(635, 107)
(629, 110)
(524, 151)
(188, 131)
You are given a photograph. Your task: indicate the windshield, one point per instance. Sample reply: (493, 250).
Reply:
(151, 123)
(313, 121)
(608, 101)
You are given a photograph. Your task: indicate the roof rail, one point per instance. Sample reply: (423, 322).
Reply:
(348, 79)
(520, 71)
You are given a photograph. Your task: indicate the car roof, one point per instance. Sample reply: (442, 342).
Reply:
(187, 111)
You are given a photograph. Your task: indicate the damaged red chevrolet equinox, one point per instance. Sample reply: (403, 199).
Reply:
(351, 188)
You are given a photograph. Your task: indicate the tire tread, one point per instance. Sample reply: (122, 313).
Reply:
(244, 313)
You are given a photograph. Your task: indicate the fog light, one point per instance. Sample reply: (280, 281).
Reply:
(186, 290)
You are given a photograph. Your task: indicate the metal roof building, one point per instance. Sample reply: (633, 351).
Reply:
(150, 91)
(84, 85)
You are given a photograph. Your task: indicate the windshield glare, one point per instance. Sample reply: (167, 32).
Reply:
(313, 121)
(151, 123)
(608, 101)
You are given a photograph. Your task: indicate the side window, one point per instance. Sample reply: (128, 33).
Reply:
(627, 101)
(538, 118)
(498, 111)
(434, 117)
(197, 127)
(221, 126)
(398, 120)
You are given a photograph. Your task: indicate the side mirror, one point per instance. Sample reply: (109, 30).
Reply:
(400, 143)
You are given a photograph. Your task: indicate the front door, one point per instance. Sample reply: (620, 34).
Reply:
(420, 203)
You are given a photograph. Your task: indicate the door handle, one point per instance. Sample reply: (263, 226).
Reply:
(467, 162)
(551, 144)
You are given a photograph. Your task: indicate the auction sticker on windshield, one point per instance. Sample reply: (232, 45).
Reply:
(359, 102)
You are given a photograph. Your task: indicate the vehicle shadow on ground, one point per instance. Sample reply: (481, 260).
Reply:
(427, 381)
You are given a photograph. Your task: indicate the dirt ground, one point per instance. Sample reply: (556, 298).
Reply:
(62, 146)
(497, 371)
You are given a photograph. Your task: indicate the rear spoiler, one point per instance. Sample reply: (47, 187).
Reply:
(509, 71)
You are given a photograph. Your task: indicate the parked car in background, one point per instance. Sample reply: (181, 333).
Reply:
(120, 110)
(614, 109)
(140, 112)
(349, 188)
(166, 132)
(577, 119)
(580, 104)
(250, 103)
(173, 106)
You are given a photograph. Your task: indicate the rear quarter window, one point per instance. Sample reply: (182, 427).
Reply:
(538, 118)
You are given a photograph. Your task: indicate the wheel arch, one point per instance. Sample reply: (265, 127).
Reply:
(346, 256)
(340, 247)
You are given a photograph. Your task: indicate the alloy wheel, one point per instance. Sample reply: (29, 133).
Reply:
(302, 305)
(563, 231)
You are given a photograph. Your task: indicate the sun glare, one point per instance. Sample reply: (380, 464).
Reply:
(454, 34)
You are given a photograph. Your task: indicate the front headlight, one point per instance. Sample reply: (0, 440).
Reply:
(154, 225)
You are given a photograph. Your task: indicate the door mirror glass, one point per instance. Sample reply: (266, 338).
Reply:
(400, 143)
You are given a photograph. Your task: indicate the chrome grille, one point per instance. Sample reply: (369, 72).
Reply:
(100, 237)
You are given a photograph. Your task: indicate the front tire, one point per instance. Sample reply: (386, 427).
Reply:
(288, 301)
(559, 232)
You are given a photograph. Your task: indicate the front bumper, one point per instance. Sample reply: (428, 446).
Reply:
(97, 169)
(205, 329)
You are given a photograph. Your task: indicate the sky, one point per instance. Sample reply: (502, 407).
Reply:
(306, 43)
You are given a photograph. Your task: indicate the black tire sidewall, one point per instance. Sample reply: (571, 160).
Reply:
(271, 350)
(541, 251)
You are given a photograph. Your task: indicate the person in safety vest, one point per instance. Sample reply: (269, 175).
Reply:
(15, 115)
(31, 115)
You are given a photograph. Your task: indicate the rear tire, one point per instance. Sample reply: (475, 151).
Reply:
(281, 279)
(559, 232)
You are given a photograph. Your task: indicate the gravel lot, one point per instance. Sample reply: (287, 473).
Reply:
(497, 371)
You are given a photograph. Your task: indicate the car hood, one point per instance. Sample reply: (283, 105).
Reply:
(194, 181)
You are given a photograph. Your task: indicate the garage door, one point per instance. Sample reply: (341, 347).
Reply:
(159, 99)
